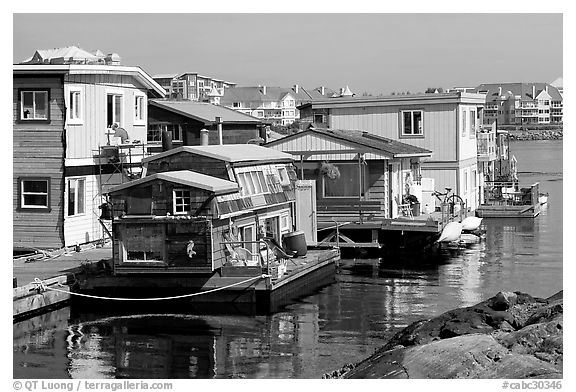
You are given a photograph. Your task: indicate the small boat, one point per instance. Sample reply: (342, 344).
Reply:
(451, 232)
(471, 223)
(467, 239)
(543, 198)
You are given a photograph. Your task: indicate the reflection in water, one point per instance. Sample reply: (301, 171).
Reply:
(342, 323)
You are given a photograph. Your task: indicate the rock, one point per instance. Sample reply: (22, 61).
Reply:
(511, 335)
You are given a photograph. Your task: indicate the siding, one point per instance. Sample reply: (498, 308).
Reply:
(83, 228)
(439, 125)
(38, 152)
(83, 140)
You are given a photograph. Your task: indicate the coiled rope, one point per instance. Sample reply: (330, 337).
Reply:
(42, 287)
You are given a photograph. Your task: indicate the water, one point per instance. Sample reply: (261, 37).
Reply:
(342, 323)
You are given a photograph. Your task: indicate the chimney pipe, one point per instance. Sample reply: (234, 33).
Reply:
(500, 90)
(264, 90)
(322, 90)
(204, 137)
(219, 127)
(533, 92)
(296, 88)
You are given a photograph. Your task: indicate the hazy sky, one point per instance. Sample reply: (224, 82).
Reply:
(375, 53)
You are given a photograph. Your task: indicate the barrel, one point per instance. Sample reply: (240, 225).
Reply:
(296, 242)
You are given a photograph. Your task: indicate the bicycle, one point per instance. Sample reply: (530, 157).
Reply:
(449, 199)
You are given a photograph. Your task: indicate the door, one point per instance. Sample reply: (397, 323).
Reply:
(306, 210)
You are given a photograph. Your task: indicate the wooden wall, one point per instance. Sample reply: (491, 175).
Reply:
(440, 125)
(83, 228)
(38, 151)
(83, 139)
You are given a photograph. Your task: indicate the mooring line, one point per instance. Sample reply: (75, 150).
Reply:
(41, 285)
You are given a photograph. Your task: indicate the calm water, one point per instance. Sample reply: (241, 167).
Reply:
(344, 322)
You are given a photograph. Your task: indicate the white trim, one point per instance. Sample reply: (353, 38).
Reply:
(143, 109)
(34, 92)
(22, 193)
(66, 196)
(116, 92)
(183, 203)
(402, 127)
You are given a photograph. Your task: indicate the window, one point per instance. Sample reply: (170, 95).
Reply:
(463, 123)
(155, 132)
(76, 196)
(114, 109)
(75, 106)
(319, 118)
(347, 185)
(34, 193)
(472, 123)
(284, 178)
(139, 105)
(182, 199)
(412, 122)
(252, 182)
(34, 105)
(236, 104)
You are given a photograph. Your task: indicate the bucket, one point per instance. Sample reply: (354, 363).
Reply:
(296, 242)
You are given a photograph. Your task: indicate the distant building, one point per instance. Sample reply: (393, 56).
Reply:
(521, 103)
(559, 84)
(192, 86)
(277, 105)
(72, 55)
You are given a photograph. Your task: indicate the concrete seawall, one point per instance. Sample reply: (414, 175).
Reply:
(511, 335)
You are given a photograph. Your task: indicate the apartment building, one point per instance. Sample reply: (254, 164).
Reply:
(521, 103)
(192, 86)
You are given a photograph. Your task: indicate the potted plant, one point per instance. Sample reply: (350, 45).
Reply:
(330, 171)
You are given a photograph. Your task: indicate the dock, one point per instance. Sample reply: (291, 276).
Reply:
(508, 200)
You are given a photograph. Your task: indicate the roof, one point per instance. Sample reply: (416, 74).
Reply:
(256, 94)
(366, 140)
(69, 52)
(558, 82)
(187, 178)
(228, 153)
(95, 69)
(164, 76)
(203, 111)
(395, 100)
(524, 90)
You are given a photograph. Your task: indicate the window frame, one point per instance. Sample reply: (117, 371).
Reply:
(404, 135)
(21, 117)
(355, 196)
(139, 109)
(175, 203)
(77, 180)
(121, 95)
(21, 193)
(71, 119)
(473, 120)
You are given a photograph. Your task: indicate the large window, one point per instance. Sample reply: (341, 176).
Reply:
(76, 196)
(34, 193)
(472, 123)
(114, 108)
(182, 198)
(155, 132)
(252, 183)
(412, 122)
(464, 122)
(347, 185)
(34, 105)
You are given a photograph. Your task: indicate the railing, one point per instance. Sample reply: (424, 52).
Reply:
(486, 145)
(249, 256)
(508, 193)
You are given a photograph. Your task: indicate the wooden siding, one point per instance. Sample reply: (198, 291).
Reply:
(84, 228)
(38, 151)
(439, 123)
(83, 139)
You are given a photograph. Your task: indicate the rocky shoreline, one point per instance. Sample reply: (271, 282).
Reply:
(511, 335)
(546, 134)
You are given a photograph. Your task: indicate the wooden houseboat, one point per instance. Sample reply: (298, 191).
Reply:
(212, 217)
(506, 199)
(363, 186)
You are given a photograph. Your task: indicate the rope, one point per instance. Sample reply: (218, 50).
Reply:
(41, 284)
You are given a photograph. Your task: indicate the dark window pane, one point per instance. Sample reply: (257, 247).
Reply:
(30, 186)
(407, 122)
(36, 200)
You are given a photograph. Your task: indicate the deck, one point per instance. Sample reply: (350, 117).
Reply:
(508, 200)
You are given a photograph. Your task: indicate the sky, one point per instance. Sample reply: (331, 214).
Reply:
(371, 53)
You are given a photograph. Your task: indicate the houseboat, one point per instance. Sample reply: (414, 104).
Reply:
(216, 222)
(369, 189)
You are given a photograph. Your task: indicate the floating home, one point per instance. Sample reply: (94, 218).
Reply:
(208, 217)
(369, 189)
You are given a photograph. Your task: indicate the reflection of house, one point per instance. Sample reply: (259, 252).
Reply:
(191, 85)
(521, 103)
(445, 124)
(61, 116)
(234, 191)
(374, 172)
(277, 105)
(183, 120)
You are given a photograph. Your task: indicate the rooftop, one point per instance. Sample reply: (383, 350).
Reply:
(187, 178)
(228, 153)
(205, 112)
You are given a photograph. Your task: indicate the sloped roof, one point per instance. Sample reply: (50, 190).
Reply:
(164, 76)
(558, 83)
(524, 90)
(316, 93)
(187, 178)
(73, 52)
(256, 94)
(205, 112)
(228, 153)
(366, 140)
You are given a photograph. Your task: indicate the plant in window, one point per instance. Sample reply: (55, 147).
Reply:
(330, 171)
